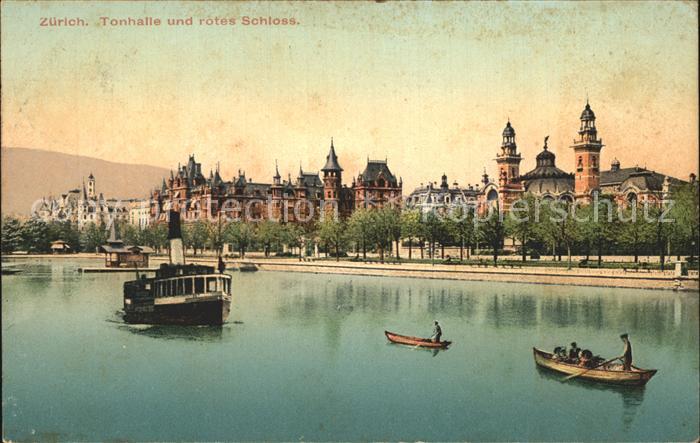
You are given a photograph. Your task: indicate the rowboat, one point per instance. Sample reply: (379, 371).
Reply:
(415, 341)
(612, 374)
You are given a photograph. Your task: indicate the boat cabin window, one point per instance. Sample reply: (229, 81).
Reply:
(226, 283)
(188, 286)
(180, 286)
(199, 285)
(211, 284)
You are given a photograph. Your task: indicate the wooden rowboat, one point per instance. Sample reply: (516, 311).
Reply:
(415, 341)
(605, 374)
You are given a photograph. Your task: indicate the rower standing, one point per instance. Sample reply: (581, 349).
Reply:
(626, 356)
(437, 333)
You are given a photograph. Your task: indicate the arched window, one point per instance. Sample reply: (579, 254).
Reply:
(632, 198)
(566, 198)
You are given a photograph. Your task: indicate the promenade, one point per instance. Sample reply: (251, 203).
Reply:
(533, 275)
(617, 278)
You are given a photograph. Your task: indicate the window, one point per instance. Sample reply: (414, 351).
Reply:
(188, 286)
(199, 285)
(211, 284)
(180, 286)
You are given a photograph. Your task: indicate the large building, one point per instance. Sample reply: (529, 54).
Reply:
(82, 207)
(292, 200)
(547, 181)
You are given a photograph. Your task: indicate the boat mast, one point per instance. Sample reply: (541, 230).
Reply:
(177, 252)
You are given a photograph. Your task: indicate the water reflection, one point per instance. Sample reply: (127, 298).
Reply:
(632, 396)
(174, 332)
(433, 351)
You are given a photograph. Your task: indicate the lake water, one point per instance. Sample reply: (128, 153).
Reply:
(304, 357)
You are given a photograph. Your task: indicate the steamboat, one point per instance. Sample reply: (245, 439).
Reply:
(180, 293)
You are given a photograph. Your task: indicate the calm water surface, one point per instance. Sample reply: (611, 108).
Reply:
(304, 357)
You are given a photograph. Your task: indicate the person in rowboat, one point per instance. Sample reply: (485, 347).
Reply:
(573, 352)
(437, 333)
(626, 356)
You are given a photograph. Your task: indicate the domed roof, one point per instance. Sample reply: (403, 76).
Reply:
(546, 158)
(508, 131)
(587, 113)
(546, 177)
(551, 185)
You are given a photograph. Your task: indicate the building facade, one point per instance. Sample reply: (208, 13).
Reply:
(82, 207)
(548, 182)
(298, 200)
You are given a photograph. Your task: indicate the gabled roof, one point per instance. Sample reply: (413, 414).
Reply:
(375, 169)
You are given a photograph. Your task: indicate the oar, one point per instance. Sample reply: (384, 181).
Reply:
(583, 372)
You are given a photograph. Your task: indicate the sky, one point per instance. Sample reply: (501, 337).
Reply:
(428, 86)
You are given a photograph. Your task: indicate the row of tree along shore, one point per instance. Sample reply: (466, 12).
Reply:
(534, 230)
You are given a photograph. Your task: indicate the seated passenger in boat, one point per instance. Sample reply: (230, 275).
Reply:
(573, 352)
(585, 359)
(559, 353)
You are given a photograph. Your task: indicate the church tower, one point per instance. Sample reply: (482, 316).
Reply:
(508, 159)
(332, 174)
(587, 155)
(91, 187)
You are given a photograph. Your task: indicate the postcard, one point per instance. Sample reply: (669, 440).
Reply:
(350, 221)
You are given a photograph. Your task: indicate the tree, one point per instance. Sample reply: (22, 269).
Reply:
(492, 230)
(685, 214)
(384, 224)
(195, 235)
(410, 227)
(521, 221)
(634, 231)
(240, 234)
(332, 234)
(35, 236)
(215, 235)
(563, 227)
(393, 220)
(11, 235)
(66, 231)
(268, 233)
(462, 228)
(92, 237)
(131, 235)
(599, 227)
(359, 226)
(156, 236)
(295, 236)
(433, 228)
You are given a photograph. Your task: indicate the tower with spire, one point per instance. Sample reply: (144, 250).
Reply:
(509, 158)
(587, 149)
(332, 177)
(91, 187)
(276, 191)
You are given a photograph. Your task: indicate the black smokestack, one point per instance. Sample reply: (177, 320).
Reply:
(174, 230)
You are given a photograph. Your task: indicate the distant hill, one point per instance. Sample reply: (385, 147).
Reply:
(30, 174)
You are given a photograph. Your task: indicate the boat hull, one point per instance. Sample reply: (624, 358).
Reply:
(635, 377)
(415, 341)
(207, 310)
